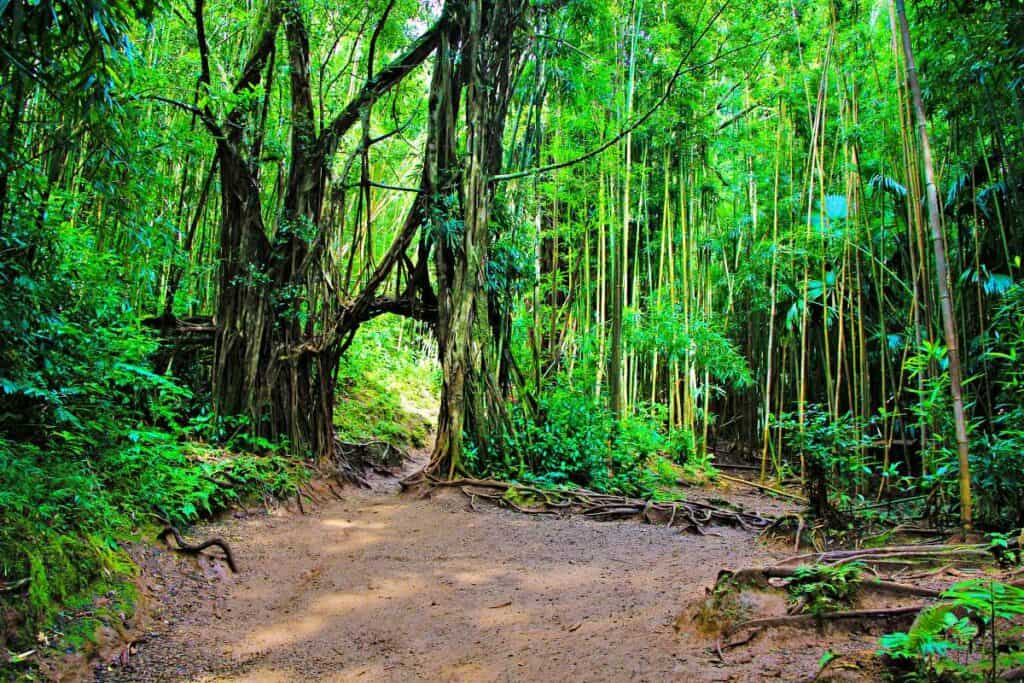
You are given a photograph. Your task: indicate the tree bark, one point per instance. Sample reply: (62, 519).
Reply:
(278, 340)
(470, 323)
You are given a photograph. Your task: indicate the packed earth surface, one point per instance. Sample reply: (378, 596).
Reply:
(385, 586)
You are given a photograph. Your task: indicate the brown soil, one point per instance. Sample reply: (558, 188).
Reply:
(388, 587)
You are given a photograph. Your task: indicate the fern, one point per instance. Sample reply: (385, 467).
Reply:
(823, 588)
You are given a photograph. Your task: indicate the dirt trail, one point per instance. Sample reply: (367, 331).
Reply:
(382, 587)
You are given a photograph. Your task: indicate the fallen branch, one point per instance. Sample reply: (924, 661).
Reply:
(184, 547)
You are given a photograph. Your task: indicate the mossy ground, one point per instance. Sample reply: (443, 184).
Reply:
(388, 386)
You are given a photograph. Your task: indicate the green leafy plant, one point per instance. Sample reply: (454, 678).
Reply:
(835, 450)
(924, 651)
(1005, 548)
(574, 440)
(821, 588)
(974, 612)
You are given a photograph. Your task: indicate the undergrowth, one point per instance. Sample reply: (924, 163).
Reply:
(974, 634)
(574, 440)
(819, 588)
(388, 384)
(64, 519)
(96, 445)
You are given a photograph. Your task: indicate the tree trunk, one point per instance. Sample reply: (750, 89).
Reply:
(470, 325)
(278, 339)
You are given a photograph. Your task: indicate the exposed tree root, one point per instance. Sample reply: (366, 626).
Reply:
(723, 607)
(759, 577)
(897, 554)
(762, 487)
(353, 460)
(803, 530)
(600, 506)
(189, 549)
(804, 619)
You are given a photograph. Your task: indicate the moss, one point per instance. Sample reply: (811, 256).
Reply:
(39, 585)
(722, 607)
(521, 497)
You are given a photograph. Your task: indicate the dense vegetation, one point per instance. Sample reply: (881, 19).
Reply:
(631, 234)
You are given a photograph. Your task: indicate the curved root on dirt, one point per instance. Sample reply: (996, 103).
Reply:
(695, 516)
(190, 549)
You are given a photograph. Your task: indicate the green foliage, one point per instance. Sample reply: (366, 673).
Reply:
(72, 48)
(835, 450)
(997, 459)
(574, 440)
(925, 648)
(94, 442)
(64, 516)
(702, 341)
(1005, 547)
(822, 588)
(977, 612)
(388, 383)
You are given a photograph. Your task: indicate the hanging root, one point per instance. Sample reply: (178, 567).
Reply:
(184, 547)
(692, 515)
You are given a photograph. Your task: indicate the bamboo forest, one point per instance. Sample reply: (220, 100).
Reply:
(511, 340)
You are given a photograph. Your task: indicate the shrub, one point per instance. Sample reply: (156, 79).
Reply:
(573, 439)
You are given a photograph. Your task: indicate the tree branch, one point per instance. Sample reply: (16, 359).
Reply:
(210, 124)
(375, 87)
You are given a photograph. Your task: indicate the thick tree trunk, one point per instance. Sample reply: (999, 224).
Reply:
(278, 340)
(260, 370)
(470, 328)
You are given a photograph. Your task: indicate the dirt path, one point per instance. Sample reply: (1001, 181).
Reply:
(381, 587)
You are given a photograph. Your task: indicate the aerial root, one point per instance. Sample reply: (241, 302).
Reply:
(189, 549)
